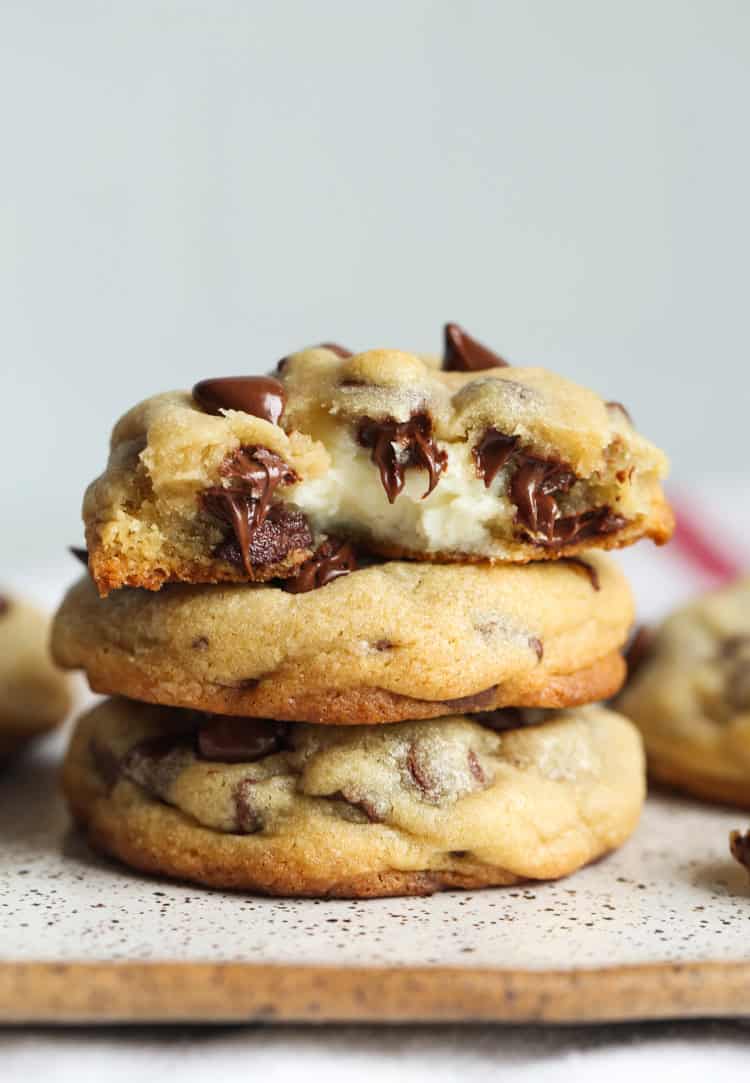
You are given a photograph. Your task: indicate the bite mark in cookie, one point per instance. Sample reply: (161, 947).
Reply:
(397, 445)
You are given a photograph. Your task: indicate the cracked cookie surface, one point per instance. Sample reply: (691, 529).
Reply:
(296, 809)
(389, 642)
(34, 695)
(690, 696)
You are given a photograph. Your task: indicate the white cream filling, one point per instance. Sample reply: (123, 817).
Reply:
(460, 514)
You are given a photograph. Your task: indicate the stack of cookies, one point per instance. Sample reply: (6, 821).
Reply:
(355, 621)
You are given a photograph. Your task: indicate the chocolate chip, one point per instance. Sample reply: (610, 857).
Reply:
(472, 702)
(363, 804)
(537, 647)
(340, 351)
(247, 817)
(200, 643)
(261, 396)
(509, 718)
(475, 767)
(383, 645)
(285, 530)
(621, 409)
(80, 554)
(534, 488)
(462, 353)
(254, 474)
(155, 762)
(739, 844)
(240, 740)
(397, 445)
(419, 771)
(492, 453)
(330, 561)
(588, 570)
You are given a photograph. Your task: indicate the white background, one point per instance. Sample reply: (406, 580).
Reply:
(196, 187)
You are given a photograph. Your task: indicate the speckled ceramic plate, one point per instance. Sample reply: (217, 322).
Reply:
(659, 929)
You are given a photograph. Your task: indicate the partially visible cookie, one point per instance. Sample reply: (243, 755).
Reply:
(385, 643)
(34, 694)
(739, 844)
(690, 697)
(305, 810)
(244, 478)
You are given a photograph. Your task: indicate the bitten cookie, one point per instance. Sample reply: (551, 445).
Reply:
(385, 643)
(690, 697)
(247, 476)
(409, 809)
(34, 694)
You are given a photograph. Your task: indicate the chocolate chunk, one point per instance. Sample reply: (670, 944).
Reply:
(4, 605)
(621, 409)
(240, 740)
(510, 718)
(462, 353)
(475, 767)
(492, 453)
(340, 351)
(589, 524)
(155, 762)
(472, 702)
(248, 817)
(537, 647)
(261, 396)
(105, 762)
(330, 561)
(200, 643)
(534, 488)
(638, 649)
(285, 530)
(245, 504)
(368, 808)
(588, 570)
(397, 445)
(80, 554)
(383, 645)
(419, 771)
(739, 844)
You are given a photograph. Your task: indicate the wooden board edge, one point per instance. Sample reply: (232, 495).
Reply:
(104, 992)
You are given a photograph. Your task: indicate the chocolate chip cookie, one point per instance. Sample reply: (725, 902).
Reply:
(389, 642)
(34, 694)
(355, 812)
(246, 478)
(690, 697)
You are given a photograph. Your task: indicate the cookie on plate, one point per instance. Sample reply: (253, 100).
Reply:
(34, 694)
(385, 643)
(246, 477)
(296, 809)
(690, 697)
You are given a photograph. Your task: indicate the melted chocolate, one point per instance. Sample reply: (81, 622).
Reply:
(509, 718)
(80, 554)
(365, 806)
(588, 570)
(462, 353)
(492, 453)
(248, 818)
(245, 504)
(534, 488)
(261, 396)
(397, 445)
(240, 740)
(330, 561)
